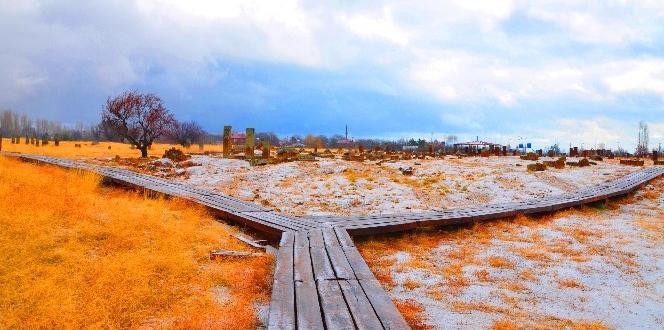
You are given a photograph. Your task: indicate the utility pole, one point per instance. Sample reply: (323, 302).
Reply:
(346, 132)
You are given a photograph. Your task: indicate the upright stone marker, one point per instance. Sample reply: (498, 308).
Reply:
(266, 149)
(249, 142)
(227, 141)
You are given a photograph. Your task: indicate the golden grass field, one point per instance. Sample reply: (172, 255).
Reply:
(68, 149)
(77, 254)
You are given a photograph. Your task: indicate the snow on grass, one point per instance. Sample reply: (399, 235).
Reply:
(338, 187)
(583, 267)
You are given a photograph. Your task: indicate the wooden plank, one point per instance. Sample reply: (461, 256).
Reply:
(387, 312)
(321, 263)
(282, 304)
(335, 310)
(360, 268)
(360, 308)
(316, 238)
(343, 237)
(306, 293)
(342, 268)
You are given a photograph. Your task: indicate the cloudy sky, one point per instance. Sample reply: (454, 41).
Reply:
(541, 71)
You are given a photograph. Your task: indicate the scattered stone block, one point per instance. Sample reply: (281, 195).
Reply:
(537, 167)
(559, 164)
(584, 162)
(175, 155)
(530, 156)
(406, 171)
(632, 162)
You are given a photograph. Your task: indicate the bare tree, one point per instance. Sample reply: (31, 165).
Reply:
(312, 141)
(268, 137)
(187, 133)
(139, 118)
(642, 145)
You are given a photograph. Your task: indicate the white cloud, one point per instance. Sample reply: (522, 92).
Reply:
(454, 76)
(20, 79)
(585, 27)
(455, 52)
(380, 27)
(646, 75)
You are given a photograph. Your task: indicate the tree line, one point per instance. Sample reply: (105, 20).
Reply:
(141, 119)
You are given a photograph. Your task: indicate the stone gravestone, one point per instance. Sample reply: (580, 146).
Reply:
(227, 141)
(266, 150)
(249, 142)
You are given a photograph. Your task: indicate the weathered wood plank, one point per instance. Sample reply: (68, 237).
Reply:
(306, 293)
(387, 312)
(335, 310)
(363, 313)
(282, 304)
(321, 263)
(342, 268)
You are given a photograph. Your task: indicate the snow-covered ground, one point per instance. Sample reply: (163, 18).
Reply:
(588, 267)
(333, 186)
(582, 268)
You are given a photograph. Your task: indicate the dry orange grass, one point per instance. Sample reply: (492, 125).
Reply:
(652, 195)
(570, 284)
(483, 275)
(413, 312)
(354, 175)
(464, 307)
(499, 262)
(87, 149)
(76, 255)
(411, 284)
(503, 325)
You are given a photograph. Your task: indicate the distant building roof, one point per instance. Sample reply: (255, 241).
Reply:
(476, 143)
(238, 136)
(345, 141)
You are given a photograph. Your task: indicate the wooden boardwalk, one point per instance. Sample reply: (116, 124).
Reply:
(321, 281)
(383, 223)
